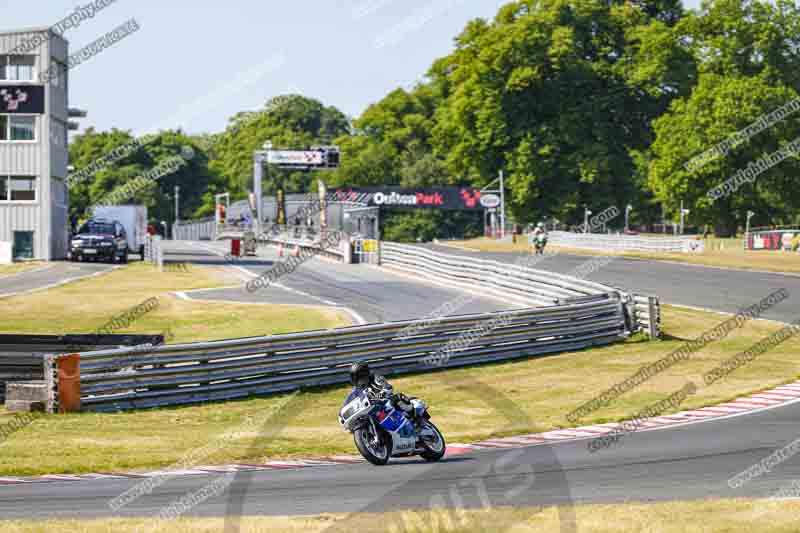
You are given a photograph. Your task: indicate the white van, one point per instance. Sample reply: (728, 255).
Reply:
(133, 218)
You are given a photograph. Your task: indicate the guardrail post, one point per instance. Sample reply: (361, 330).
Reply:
(50, 382)
(69, 383)
(654, 317)
(628, 311)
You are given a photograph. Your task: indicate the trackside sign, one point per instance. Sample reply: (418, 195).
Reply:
(426, 197)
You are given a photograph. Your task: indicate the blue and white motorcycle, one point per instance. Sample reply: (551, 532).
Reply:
(381, 430)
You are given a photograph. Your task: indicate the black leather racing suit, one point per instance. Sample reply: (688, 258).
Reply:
(380, 389)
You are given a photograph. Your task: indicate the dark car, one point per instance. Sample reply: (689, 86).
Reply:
(99, 240)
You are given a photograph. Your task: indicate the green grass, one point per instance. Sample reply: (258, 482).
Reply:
(703, 516)
(469, 404)
(86, 305)
(727, 253)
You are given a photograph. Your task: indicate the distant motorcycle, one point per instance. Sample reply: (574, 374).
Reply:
(381, 431)
(540, 241)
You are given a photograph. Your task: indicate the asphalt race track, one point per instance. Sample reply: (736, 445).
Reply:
(374, 294)
(710, 288)
(677, 463)
(690, 462)
(55, 273)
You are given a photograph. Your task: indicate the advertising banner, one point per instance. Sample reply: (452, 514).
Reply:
(788, 240)
(308, 158)
(449, 197)
(22, 99)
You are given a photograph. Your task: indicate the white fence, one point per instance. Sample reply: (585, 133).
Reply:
(594, 241)
(154, 251)
(197, 230)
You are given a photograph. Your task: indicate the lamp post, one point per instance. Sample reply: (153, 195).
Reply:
(750, 214)
(586, 214)
(684, 212)
(177, 202)
(164, 227)
(628, 210)
(502, 206)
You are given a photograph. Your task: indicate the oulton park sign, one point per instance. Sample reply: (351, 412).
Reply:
(450, 197)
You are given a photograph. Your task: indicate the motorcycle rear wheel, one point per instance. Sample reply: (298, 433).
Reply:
(375, 454)
(435, 450)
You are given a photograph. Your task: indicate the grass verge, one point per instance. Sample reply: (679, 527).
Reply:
(728, 515)
(468, 404)
(86, 305)
(727, 253)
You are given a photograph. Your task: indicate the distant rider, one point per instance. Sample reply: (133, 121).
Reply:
(362, 378)
(539, 235)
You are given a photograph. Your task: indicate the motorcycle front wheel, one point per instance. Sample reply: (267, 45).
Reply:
(433, 441)
(373, 447)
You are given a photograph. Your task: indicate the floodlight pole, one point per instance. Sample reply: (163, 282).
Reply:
(177, 202)
(628, 210)
(502, 206)
(750, 214)
(684, 212)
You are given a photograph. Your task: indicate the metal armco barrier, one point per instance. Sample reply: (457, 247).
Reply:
(517, 282)
(23, 357)
(184, 374)
(602, 242)
(577, 314)
(647, 311)
(526, 285)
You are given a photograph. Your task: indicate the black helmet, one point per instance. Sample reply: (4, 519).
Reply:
(359, 374)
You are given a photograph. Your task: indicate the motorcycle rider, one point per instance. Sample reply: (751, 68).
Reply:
(539, 233)
(361, 377)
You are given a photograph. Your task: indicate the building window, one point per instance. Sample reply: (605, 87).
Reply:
(17, 68)
(23, 245)
(17, 189)
(17, 128)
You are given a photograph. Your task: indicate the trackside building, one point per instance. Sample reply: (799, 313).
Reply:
(34, 119)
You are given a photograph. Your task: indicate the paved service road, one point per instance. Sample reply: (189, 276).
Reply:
(374, 294)
(689, 462)
(674, 283)
(55, 273)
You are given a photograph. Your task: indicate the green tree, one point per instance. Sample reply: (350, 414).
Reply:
(289, 122)
(560, 96)
(746, 56)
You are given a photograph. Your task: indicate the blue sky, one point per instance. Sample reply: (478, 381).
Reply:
(194, 64)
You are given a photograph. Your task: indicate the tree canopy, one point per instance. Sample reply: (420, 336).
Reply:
(581, 103)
